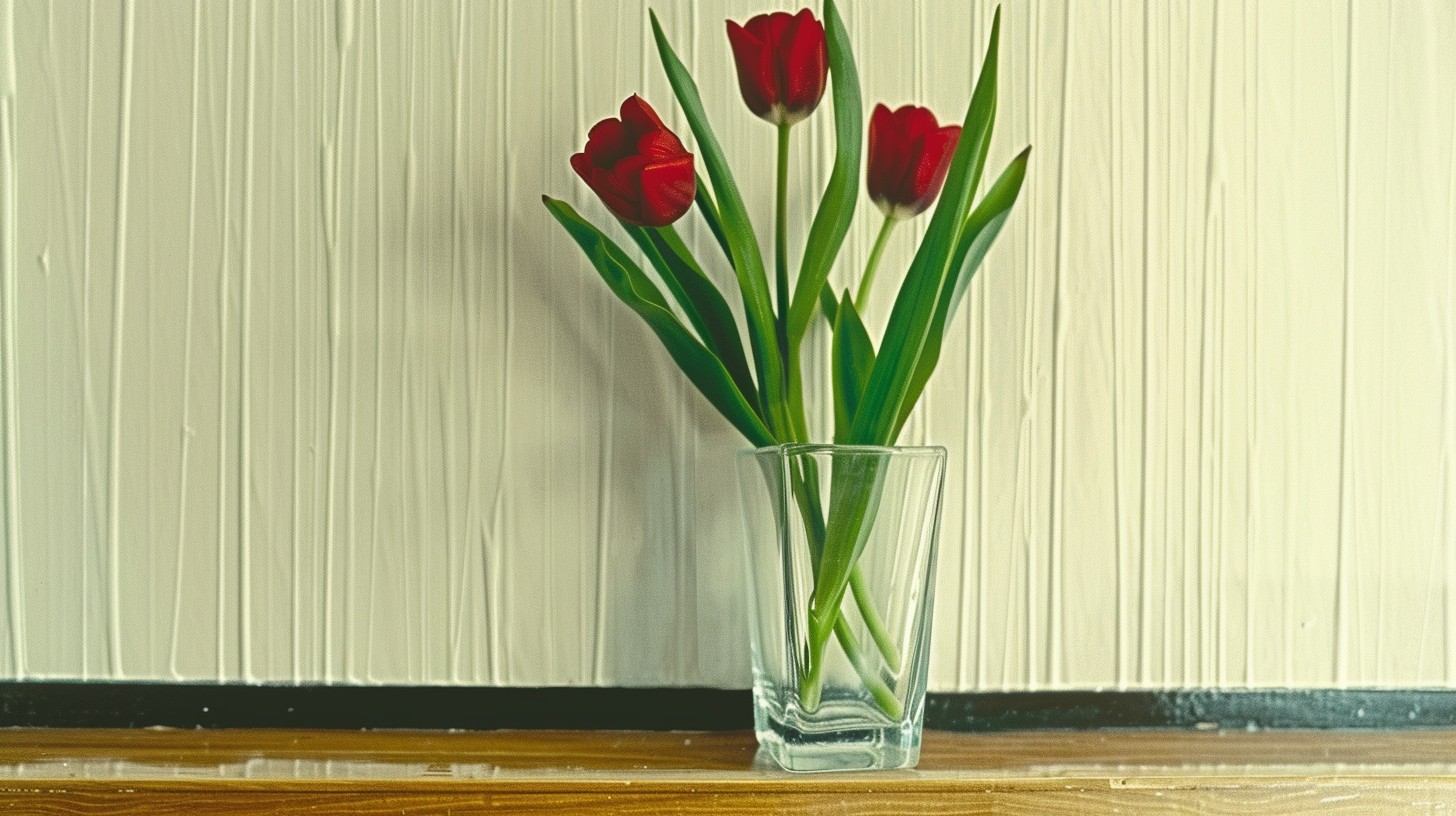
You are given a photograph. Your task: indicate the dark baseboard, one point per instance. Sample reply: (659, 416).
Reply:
(1193, 708)
(196, 705)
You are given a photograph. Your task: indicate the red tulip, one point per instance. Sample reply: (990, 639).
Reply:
(783, 63)
(638, 167)
(909, 157)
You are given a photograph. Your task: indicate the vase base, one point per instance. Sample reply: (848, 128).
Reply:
(865, 748)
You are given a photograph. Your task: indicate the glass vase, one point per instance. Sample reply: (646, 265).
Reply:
(841, 545)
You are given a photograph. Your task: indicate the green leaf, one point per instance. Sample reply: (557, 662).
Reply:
(704, 199)
(985, 222)
(981, 118)
(640, 237)
(854, 498)
(981, 229)
(627, 281)
(747, 260)
(911, 319)
(829, 305)
(853, 358)
(699, 298)
(856, 485)
(836, 209)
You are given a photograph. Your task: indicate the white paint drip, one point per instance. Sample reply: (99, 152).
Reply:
(9, 357)
(118, 322)
(185, 434)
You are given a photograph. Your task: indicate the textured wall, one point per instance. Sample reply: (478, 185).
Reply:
(298, 381)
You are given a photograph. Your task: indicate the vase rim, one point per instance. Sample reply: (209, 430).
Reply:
(795, 448)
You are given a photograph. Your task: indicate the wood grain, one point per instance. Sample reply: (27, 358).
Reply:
(1294, 798)
(275, 772)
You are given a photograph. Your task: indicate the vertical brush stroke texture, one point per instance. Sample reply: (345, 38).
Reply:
(298, 384)
(9, 316)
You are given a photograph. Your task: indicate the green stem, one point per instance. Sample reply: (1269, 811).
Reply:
(798, 430)
(812, 682)
(805, 493)
(781, 226)
(798, 419)
(883, 694)
(863, 296)
(872, 620)
(805, 486)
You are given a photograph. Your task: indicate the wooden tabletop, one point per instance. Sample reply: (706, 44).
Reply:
(509, 772)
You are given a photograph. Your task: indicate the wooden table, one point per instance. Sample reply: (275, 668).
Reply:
(506, 772)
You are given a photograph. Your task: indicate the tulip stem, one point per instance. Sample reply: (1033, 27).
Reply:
(863, 296)
(781, 224)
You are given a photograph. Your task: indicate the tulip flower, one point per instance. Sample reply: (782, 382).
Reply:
(909, 156)
(783, 64)
(638, 167)
(783, 67)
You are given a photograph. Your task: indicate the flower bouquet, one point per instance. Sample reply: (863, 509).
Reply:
(855, 516)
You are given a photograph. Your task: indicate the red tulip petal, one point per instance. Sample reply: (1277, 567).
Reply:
(896, 159)
(667, 191)
(952, 136)
(740, 38)
(755, 73)
(583, 166)
(618, 187)
(606, 143)
(806, 62)
(778, 27)
(624, 173)
(660, 145)
(880, 173)
(601, 184)
(639, 117)
(879, 129)
(928, 175)
(770, 28)
(914, 122)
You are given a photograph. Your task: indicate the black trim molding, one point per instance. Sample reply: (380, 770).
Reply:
(188, 705)
(1193, 708)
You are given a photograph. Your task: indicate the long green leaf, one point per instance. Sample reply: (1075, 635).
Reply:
(747, 259)
(856, 486)
(700, 299)
(985, 222)
(704, 199)
(669, 276)
(836, 209)
(829, 305)
(853, 358)
(979, 125)
(722, 325)
(627, 281)
(981, 229)
(852, 505)
(914, 310)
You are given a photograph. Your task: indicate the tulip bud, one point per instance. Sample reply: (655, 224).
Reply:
(783, 64)
(909, 156)
(638, 167)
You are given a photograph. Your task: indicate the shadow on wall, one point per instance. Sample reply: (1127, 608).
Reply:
(659, 572)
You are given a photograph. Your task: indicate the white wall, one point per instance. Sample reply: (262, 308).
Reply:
(301, 383)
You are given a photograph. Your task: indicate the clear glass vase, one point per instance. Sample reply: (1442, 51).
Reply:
(841, 543)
